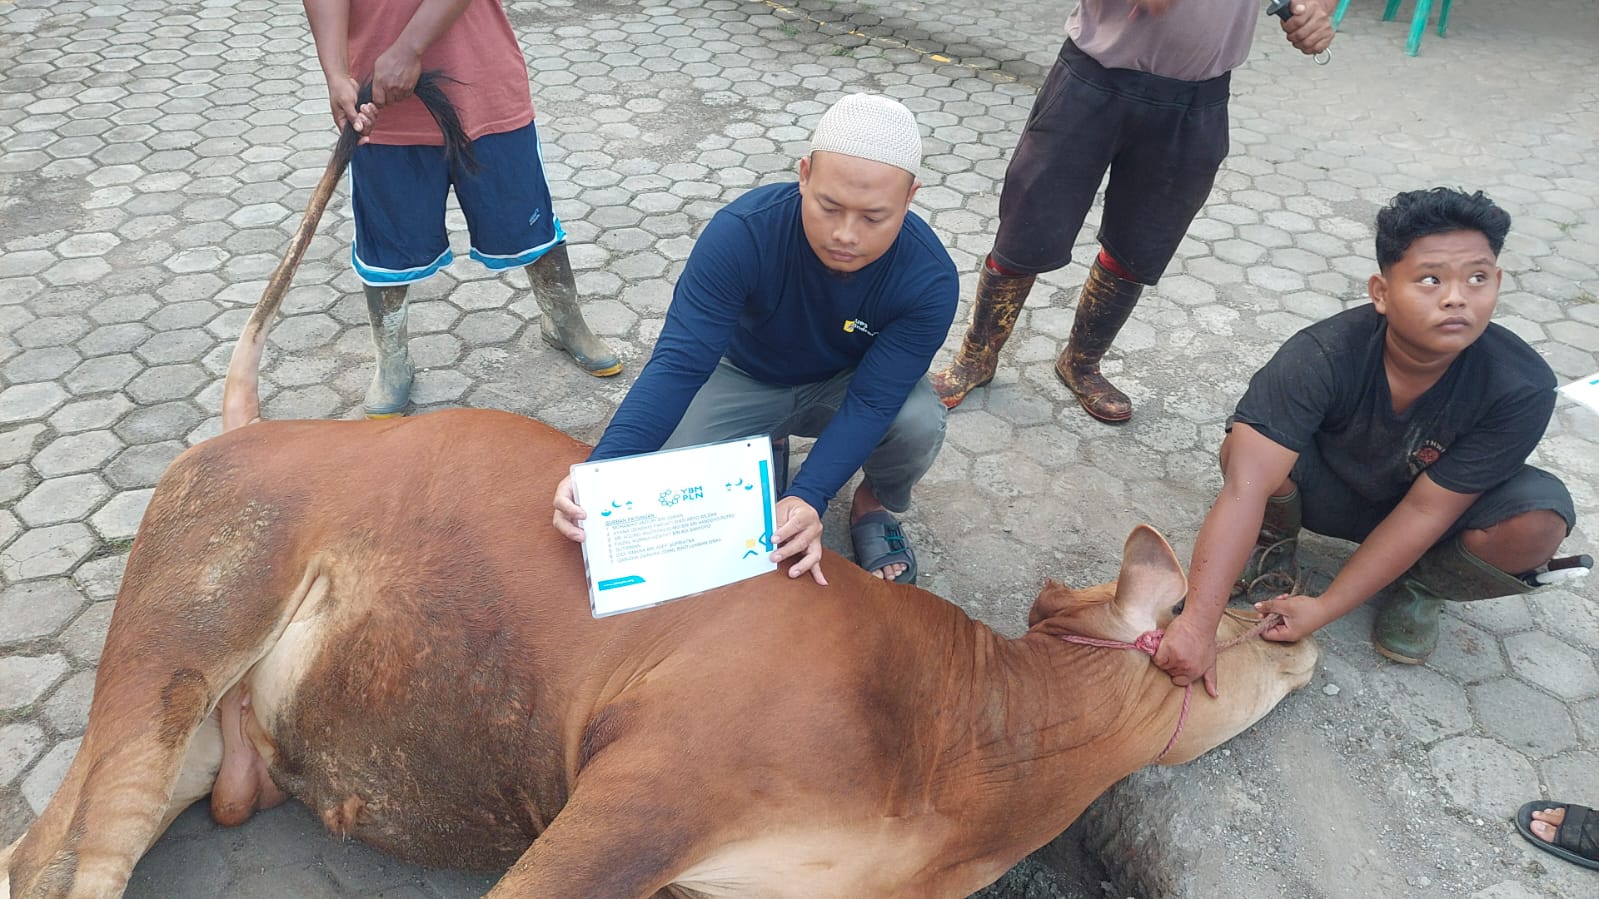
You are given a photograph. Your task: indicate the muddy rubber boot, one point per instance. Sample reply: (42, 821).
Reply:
(392, 376)
(1406, 629)
(1102, 309)
(1274, 562)
(999, 300)
(562, 325)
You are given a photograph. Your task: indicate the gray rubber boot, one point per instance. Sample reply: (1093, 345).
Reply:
(391, 378)
(1406, 629)
(562, 325)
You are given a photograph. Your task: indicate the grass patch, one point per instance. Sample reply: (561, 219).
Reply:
(11, 716)
(842, 51)
(114, 547)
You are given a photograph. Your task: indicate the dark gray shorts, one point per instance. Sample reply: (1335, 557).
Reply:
(1333, 509)
(1162, 140)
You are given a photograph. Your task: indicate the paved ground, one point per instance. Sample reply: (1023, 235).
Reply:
(154, 157)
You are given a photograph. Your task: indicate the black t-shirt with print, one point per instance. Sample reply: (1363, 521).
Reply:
(1470, 431)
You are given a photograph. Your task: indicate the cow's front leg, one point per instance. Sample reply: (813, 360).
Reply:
(625, 836)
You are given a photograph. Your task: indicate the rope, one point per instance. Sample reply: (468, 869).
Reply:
(1149, 641)
(1261, 563)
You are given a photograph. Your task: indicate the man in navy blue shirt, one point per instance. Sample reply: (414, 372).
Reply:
(811, 309)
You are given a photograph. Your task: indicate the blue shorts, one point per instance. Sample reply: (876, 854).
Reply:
(398, 194)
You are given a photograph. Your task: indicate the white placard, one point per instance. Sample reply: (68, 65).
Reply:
(1584, 391)
(666, 525)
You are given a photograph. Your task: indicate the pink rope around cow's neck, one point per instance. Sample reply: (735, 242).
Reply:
(1149, 642)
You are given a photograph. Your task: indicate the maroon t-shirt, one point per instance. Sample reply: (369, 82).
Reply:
(479, 51)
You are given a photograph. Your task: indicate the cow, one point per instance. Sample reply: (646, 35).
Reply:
(378, 619)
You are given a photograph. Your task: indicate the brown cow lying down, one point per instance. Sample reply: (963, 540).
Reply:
(378, 619)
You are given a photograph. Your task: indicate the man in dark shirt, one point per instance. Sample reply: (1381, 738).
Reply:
(1403, 425)
(812, 309)
(1139, 93)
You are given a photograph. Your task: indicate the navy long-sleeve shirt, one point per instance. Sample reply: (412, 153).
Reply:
(754, 291)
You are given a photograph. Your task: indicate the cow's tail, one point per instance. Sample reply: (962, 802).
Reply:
(241, 391)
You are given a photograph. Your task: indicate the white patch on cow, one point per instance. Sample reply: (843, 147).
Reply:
(806, 864)
(274, 680)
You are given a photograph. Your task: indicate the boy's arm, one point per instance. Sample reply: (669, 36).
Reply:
(1426, 512)
(1256, 466)
(330, 30)
(395, 73)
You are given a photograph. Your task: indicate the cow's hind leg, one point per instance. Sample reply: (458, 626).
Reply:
(153, 746)
(117, 795)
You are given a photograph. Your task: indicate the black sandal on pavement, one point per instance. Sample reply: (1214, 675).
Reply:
(1576, 840)
(879, 541)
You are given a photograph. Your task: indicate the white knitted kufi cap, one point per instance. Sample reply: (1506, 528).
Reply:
(871, 126)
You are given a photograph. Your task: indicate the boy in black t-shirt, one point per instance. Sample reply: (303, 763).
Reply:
(1403, 425)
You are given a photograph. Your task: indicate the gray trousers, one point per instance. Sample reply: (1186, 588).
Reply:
(732, 404)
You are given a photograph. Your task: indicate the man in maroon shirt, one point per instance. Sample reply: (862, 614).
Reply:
(400, 176)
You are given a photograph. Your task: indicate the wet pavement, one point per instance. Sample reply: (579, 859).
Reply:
(154, 158)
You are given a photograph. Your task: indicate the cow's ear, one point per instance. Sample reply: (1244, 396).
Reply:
(1151, 577)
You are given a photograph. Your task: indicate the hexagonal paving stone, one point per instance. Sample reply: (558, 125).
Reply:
(44, 364)
(1465, 652)
(73, 453)
(100, 577)
(1482, 776)
(20, 744)
(85, 637)
(978, 431)
(47, 774)
(1555, 666)
(37, 609)
(46, 552)
(16, 444)
(167, 382)
(103, 374)
(24, 679)
(67, 709)
(1573, 774)
(1430, 706)
(28, 401)
(87, 415)
(56, 500)
(1523, 718)
(119, 518)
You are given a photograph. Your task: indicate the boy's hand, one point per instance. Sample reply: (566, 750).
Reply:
(799, 533)
(394, 75)
(1301, 616)
(1188, 651)
(1309, 29)
(343, 92)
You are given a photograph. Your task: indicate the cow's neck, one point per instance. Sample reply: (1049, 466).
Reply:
(1055, 724)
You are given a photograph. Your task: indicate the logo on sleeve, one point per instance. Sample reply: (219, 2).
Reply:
(1424, 455)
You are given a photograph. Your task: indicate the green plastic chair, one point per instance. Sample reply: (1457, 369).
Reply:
(1418, 22)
